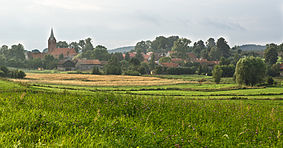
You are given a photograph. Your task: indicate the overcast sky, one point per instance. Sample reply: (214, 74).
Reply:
(116, 23)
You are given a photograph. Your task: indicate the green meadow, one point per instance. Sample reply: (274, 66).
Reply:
(182, 115)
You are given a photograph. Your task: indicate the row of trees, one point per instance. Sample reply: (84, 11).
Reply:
(210, 49)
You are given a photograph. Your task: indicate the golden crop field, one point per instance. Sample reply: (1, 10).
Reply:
(96, 80)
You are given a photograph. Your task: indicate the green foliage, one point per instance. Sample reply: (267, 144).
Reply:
(50, 62)
(127, 57)
(165, 60)
(163, 44)
(142, 47)
(5, 72)
(217, 74)
(139, 56)
(101, 53)
(271, 54)
(95, 71)
(273, 70)
(144, 68)
(270, 81)
(223, 47)
(132, 73)
(62, 44)
(181, 46)
(228, 70)
(152, 62)
(250, 71)
(113, 67)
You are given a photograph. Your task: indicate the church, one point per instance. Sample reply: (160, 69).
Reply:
(67, 53)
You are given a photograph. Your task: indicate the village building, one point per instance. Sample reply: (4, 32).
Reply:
(83, 64)
(66, 65)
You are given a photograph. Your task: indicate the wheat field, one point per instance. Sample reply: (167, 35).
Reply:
(96, 80)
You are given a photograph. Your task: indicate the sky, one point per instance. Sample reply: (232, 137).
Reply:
(118, 23)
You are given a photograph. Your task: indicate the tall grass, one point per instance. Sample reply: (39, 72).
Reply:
(29, 119)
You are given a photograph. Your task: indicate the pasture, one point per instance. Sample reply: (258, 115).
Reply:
(163, 111)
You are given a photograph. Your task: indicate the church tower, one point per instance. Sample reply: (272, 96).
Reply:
(51, 42)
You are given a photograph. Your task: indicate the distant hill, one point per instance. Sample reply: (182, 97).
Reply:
(122, 49)
(252, 47)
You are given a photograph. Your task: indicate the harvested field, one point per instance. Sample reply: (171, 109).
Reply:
(97, 80)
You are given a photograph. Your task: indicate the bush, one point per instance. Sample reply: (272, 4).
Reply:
(2, 74)
(217, 73)
(95, 71)
(180, 71)
(21, 74)
(228, 70)
(270, 81)
(132, 73)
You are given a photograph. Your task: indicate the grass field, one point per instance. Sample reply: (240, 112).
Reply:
(190, 114)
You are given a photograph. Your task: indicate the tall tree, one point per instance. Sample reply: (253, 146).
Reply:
(198, 47)
(181, 47)
(76, 46)
(142, 46)
(210, 43)
(271, 54)
(152, 62)
(62, 44)
(101, 53)
(113, 67)
(223, 47)
(88, 45)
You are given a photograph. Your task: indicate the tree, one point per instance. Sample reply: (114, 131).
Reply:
(139, 56)
(101, 53)
(95, 71)
(113, 67)
(217, 73)
(62, 44)
(152, 62)
(210, 43)
(76, 46)
(198, 47)
(271, 54)
(87, 46)
(223, 47)
(214, 53)
(250, 71)
(142, 46)
(181, 46)
(127, 56)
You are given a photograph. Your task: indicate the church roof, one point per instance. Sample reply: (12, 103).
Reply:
(67, 52)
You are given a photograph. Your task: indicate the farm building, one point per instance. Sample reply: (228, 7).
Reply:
(66, 65)
(87, 64)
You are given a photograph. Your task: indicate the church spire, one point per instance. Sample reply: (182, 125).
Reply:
(52, 34)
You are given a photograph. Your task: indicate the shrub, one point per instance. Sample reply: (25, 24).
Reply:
(95, 71)
(132, 73)
(217, 73)
(270, 81)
